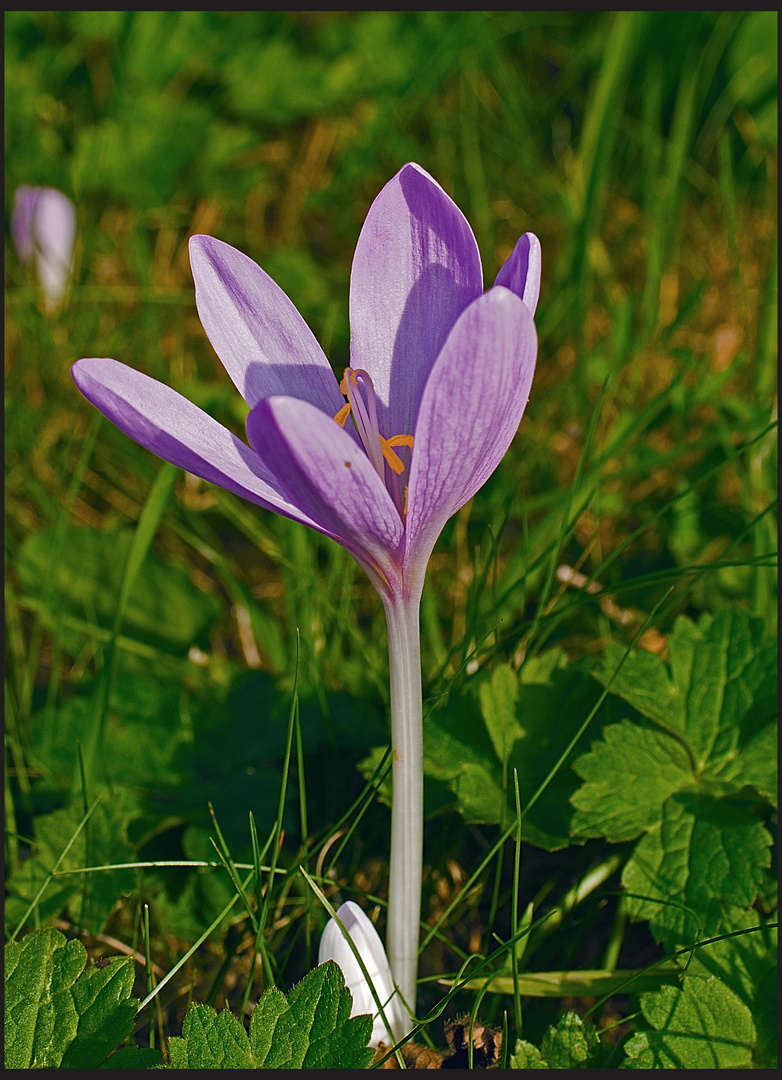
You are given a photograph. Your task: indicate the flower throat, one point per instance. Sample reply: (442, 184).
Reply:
(357, 387)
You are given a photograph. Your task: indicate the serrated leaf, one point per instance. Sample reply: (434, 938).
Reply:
(57, 1014)
(499, 697)
(210, 1040)
(686, 779)
(527, 1056)
(756, 764)
(571, 1044)
(716, 670)
(707, 854)
(311, 1028)
(263, 1030)
(106, 1012)
(701, 1026)
(747, 965)
(553, 699)
(638, 1052)
(644, 683)
(628, 775)
(322, 1033)
(741, 962)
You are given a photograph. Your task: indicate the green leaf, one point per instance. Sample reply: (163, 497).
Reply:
(263, 1030)
(321, 1004)
(57, 1014)
(644, 683)
(756, 764)
(316, 1031)
(106, 1012)
(571, 1044)
(747, 965)
(310, 1029)
(707, 854)
(716, 672)
(499, 697)
(210, 1040)
(132, 1057)
(689, 777)
(144, 731)
(527, 1056)
(701, 1026)
(462, 746)
(635, 758)
(90, 898)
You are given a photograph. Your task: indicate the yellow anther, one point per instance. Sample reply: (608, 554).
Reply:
(362, 405)
(343, 414)
(348, 373)
(392, 460)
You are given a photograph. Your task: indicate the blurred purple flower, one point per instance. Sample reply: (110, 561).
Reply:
(43, 228)
(440, 374)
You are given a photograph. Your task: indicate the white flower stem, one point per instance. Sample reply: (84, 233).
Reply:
(407, 812)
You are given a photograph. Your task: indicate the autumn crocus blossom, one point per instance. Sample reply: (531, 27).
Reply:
(439, 376)
(388, 1025)
(43, 228)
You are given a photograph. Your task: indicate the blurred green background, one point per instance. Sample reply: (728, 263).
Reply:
(639, 146)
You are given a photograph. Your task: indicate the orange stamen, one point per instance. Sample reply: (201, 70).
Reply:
(392, 460)
(343, 414)
(362, 406)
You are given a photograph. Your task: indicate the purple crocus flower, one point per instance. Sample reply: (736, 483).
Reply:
(43, 227)
(439, 377)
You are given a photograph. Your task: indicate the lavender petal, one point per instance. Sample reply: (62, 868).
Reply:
(521, 271)
(320, 469)
(416, 268)
(470, 411)
(178, 431)
(262, 340)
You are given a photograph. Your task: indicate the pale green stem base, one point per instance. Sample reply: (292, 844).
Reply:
(407, 812)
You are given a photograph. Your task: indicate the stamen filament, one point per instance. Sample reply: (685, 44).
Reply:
(356, 385)
(365, 415)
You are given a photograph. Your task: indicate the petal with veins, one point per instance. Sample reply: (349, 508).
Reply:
(263, 342)
(321, 470)
(178, 431)
(521, 271)
(471, 409)
(416, 268)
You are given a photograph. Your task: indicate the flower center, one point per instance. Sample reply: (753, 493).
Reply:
(357, 387)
